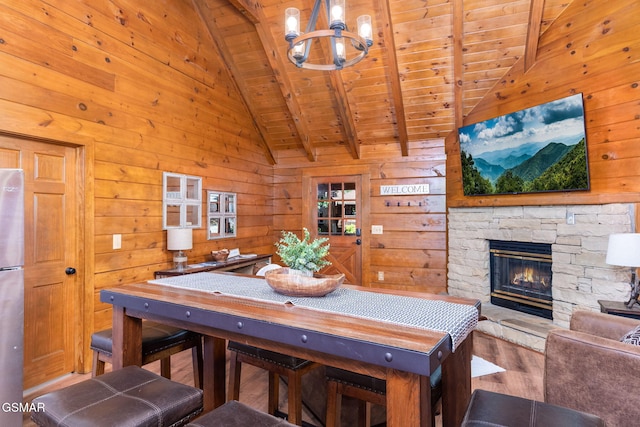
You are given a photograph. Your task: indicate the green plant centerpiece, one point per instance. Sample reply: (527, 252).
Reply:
(306, 255)
(303, 258)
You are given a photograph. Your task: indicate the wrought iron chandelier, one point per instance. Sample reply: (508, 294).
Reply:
(338, 36)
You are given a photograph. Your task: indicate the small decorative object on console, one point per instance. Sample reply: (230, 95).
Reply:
(220, 255)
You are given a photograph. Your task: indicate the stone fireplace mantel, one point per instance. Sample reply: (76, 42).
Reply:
(580, 275)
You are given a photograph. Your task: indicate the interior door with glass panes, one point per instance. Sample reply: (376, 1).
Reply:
(338, 217)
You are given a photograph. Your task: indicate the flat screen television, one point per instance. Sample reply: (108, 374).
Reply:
(539, 149)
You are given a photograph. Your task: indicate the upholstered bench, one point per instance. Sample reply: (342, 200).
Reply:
(237, 414)
(487, 408)
(131, 396)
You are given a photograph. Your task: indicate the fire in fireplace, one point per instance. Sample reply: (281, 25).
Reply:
(521, 276)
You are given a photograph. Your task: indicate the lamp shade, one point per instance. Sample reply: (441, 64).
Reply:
(179, 239)
(624, 250)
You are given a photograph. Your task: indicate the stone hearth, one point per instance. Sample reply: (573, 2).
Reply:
(580, 275)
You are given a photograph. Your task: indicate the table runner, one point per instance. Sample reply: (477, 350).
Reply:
(457, 320)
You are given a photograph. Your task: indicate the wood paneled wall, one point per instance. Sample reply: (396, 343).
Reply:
(592, 48)
(412, 250)
(140, 88)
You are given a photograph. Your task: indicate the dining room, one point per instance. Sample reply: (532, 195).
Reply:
(156, 136)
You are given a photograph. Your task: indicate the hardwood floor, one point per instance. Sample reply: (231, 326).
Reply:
(524, 368)
(523, 376)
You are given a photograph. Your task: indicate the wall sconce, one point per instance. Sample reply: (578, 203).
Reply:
(624, 250)
(179, 239)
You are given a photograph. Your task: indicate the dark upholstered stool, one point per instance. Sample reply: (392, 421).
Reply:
(487, 408)
(277, 364)
(159, 342)
(236, 414)
(131, 396)
(367, 390)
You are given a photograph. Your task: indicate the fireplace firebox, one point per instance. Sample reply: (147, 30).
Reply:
(521, 277)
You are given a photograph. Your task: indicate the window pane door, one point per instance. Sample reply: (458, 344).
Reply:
(337, 217)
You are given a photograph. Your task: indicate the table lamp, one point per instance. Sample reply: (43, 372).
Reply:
(624, 250)
(179, 239)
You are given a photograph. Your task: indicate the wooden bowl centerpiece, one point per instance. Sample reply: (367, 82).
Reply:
(221, 255)
(293, 283)
(302, 256)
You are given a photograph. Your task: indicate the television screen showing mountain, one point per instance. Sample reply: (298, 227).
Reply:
(542, 148)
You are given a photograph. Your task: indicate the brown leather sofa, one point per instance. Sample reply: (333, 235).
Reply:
(587, 368)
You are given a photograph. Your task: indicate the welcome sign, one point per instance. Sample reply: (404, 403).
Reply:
(400, 190)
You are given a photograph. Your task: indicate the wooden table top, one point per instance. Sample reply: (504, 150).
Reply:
(402, 347)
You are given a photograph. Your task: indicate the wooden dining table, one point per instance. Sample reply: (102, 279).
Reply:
(363, 341)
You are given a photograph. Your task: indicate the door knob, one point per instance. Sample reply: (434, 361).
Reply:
(358, 242)
(69, 271)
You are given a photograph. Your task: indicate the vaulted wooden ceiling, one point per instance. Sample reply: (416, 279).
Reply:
(431, 62)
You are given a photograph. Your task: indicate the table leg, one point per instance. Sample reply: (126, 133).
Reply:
(456, 384)
(126, 339)
(214, 372)
(404, 399)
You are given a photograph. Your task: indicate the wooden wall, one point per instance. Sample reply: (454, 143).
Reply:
(592, 48)
(412, 249)
(138, 86)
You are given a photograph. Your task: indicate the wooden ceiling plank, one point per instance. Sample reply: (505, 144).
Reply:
(433, 62)
(286, 88)
(394, 75)
(533, 33)
(277, 65)
(204, 12)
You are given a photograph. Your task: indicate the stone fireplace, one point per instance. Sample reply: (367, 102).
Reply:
(578, 237)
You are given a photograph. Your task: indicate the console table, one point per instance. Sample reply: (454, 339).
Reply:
(238, 264)
(619, 308)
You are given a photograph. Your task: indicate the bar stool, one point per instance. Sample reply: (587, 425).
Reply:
(236, 414)
(159, 342)
(368, 390)
(130, 396)
(277, 364)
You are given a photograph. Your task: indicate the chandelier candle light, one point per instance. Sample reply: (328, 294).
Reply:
(338, 35)
(179, 239)
(624, 250)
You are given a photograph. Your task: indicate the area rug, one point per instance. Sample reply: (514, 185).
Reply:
(480, 367)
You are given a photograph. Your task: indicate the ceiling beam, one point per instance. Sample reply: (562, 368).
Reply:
(533, 33)
(346, 116)
(394, 76)
(256, 16)
(248, 9)
(214, 33)
(342, 101)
